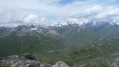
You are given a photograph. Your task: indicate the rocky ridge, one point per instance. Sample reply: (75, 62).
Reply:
(27, 61)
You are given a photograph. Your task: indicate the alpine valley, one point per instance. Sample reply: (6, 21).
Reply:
(90, 44)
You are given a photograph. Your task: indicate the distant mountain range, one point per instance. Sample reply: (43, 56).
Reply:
(87, 32)
(31, 38)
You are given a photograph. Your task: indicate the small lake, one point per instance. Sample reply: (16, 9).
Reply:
(52, 54)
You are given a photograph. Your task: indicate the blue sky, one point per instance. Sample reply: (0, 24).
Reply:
(65, 2)
(17, 12)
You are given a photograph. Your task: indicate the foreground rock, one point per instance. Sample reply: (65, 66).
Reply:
(27, 61)
(60, 64)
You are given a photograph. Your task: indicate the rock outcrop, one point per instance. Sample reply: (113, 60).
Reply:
(60, 64)
(27, 61)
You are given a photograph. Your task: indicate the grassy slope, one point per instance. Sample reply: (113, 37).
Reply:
(11, 45)
(92, 55)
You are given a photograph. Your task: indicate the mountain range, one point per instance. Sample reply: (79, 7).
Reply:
(87, 32)
(61, 41)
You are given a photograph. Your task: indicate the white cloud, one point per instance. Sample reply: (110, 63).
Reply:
(40, 11)
(31, 18)
(34, 19)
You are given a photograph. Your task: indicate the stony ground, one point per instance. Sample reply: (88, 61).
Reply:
(27, 61)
